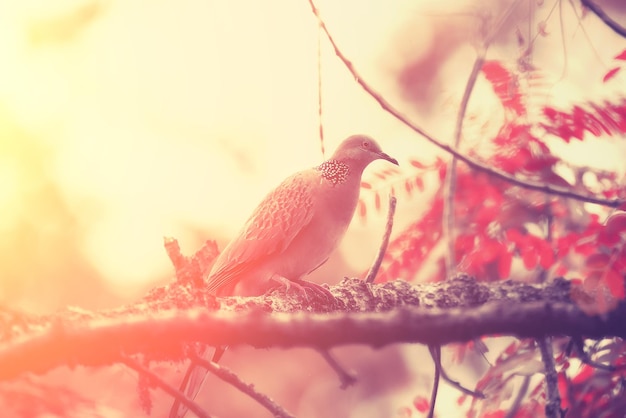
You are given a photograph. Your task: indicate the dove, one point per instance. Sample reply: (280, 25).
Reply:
(292, 232)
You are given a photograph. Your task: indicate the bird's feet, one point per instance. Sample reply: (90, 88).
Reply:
(301, 285)
(317, 289)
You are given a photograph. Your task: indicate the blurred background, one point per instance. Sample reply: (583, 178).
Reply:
(122, 122)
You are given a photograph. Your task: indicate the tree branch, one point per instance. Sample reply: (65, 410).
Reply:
(553, 398)
(450, 181)
(598, 11)
(373, 271)
(231, 378)
(435, 353)
(457, 310)
(170, 390)
(527, 184)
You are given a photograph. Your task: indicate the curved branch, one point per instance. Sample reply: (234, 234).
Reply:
(598, 11)
(545, 188)
(373, 271)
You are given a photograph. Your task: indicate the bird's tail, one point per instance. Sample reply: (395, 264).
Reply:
(193, 380)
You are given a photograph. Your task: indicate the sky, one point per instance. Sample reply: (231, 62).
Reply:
(125, 122)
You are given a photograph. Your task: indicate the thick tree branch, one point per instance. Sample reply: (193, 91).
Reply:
(395, 312)
(476, 165)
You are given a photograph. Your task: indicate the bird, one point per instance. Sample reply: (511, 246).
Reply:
(292, 232)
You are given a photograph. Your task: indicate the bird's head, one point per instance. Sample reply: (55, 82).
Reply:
(361, 150)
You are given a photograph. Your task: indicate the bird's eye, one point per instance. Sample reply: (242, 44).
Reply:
(366, 144)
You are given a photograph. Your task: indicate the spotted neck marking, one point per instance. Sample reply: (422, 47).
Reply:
(334, 171)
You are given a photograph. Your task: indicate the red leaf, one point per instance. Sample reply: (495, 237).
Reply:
(405, 412)
(615, 282)
(610, 74)
(419, 183)
(530, 258)
(546, 258)
(585, 373)
(621, 56)
(561, 270)
(421, 404)
(489, 251)
(408, 186)
(417, 164)
(362, 209)
(597, 261)
(505, 86)
(463, 244)
(504, 264)
(494, 414)
(616, 223)
(608, 238)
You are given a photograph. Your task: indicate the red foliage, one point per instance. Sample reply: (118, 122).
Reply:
(608, 118)
(502, 231)
(505, 86)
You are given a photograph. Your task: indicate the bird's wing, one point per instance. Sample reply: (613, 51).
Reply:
(269, 230)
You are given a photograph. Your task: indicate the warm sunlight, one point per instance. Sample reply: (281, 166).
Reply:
(125, 122)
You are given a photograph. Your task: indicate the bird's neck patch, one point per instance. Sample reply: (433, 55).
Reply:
(334, 171)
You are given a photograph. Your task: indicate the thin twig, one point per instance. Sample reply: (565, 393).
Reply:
(450, 182)
(553, 398)
(319, 90)
(371, 274)
(545, 188)
(435, 353)
(347, 379)
(457, 385)
(449, 380)
(234, 380)
(166, 387)
(598, 11)
(519, 398)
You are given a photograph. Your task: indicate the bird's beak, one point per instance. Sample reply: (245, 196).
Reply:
(384, 156)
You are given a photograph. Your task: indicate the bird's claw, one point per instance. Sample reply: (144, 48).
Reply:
(318, 291)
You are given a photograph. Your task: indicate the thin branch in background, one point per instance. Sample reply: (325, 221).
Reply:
(371, 274)
(450, 181)
(347, 379)
(435, 353)
(319, 90)
(166, 387)
(458, 386)
(585, 34)
(598, 11)
(553, 398)
(521, 393)
(437, 359)
(544, 188)
(232, 379)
